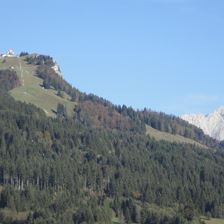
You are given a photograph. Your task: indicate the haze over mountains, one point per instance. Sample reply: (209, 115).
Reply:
(212, 124)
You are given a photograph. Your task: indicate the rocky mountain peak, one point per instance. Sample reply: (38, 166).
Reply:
(220, 110)
(212, 124)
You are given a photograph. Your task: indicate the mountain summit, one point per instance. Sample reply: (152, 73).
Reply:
(212, 124)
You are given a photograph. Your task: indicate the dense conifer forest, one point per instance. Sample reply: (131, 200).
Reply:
(99, 164)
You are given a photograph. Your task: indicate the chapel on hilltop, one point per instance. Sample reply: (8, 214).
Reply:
(9, 53)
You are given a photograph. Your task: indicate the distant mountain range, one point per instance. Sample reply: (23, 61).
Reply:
(212, 124)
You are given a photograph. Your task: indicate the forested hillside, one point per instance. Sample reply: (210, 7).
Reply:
(42, 86)
(97, 165)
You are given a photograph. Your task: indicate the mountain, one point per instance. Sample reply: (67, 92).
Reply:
(31, 89)
(212, 124)
(70, 157)
(42, 84)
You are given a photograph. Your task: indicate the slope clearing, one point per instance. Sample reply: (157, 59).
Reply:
(213, 221)
(164, 136)
(31, 90)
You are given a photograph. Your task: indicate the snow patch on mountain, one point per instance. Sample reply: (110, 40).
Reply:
(212, 124)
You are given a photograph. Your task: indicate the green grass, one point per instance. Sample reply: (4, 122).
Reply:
(212, 221)
(13, 215)
(116, 221)
(31, 90)
(1, 188)
(159, 135)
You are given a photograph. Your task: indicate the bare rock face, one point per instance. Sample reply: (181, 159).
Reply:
(57, 69)
(212, 124)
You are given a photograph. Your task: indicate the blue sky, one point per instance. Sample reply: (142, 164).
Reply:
(167, 55)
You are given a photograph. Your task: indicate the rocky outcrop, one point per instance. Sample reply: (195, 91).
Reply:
(212, 124)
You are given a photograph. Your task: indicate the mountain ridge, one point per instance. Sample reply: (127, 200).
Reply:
(42, 84)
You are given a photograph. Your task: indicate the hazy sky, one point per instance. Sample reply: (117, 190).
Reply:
(167, 55)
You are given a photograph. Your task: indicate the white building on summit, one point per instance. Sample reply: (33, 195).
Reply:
(10, 53)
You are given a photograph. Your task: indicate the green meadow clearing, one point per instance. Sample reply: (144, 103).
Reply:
(31, 90)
